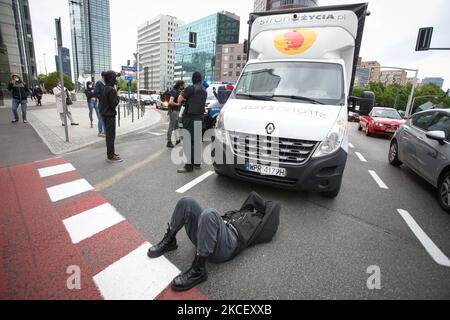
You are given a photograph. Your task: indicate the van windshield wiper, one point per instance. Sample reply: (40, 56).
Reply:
(297, 98)
(256, 97)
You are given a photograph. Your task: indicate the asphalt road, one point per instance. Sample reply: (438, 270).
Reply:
(323, 248)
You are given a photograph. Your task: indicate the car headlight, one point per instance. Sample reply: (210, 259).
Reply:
(377, 124)
(335, 137)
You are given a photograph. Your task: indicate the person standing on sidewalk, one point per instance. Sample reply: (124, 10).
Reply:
(109, 101)
(38, 93)
(174, 112)
(93, 105)
(59, 95)
(194, 98)
(19, 91)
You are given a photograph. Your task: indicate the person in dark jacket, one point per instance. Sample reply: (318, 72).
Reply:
(194, 98)
(174, 112)
(214, 239)
(38, 93)
(108, 109)
(98, 90)
(93, 105)
(19, 91)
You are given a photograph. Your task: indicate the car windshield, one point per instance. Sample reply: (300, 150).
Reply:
(304, 82)
(383, 113)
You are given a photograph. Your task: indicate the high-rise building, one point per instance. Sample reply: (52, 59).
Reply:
(90, 20)
(437, 81)
(66, 66)
(266, 5)
(362, 76)
(157, 62)
(389, 77)
(230, 60)
(375, 69)
(217, 29)
(17, 53)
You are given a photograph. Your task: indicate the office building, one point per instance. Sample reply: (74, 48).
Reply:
(437, 81)
(217, 29)
(157, 62)
(230, 60)
(389, 77)
(267, 5)
(90, 20)
(17, 54)
(66, 66)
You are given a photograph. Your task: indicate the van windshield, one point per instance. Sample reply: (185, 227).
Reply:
(304, 82)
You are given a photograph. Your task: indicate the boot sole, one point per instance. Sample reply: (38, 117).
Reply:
(184, 289)
(163, 253)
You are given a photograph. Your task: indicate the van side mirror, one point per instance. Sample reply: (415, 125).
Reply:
(436, 135)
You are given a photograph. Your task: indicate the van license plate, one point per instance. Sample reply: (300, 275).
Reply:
(266, 170)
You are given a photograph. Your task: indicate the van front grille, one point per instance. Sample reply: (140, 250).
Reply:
(267, 149)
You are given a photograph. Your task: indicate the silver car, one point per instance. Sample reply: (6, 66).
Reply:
(423, 144)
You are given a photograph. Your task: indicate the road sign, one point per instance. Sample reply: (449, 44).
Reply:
(129, 78)
(129, 69)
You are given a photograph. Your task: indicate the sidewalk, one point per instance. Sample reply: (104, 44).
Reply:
(47, 124)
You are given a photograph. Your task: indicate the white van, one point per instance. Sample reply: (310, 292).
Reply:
(286, 121)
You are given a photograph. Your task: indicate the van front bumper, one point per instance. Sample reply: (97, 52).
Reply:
(316, 175)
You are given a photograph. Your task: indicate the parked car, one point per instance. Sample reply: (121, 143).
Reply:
(146, 99)
(423, 144)
(381, 121)
(156, 101)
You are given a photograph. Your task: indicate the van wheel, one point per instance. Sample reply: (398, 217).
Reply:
(444, 192)
(393, 154)
(333, 193)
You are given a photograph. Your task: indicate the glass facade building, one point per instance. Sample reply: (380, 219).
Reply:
(362, 77)
(17, 54)
(437, 81)
(216, 29)
(65, 55)
(100, 27)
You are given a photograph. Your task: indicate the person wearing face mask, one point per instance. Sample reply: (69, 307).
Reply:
(174, 112)
(59, 95)
(93, 105)
(108, 109)
(19, 91)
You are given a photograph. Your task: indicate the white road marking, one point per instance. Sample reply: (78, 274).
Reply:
(156, 133)
(192, 184)
(438, 256)
(361, 157)
(86, 224)
(67, 190)
(351, 145)
(54, 170)
(136, 277)
(378, 180)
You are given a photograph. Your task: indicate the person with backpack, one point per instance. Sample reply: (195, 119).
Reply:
(174, 112)
(109, 101)
(194, 97)
(217, 239)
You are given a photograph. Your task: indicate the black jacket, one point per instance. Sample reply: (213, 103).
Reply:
(89, 94)
(108, 98)
(19, 90)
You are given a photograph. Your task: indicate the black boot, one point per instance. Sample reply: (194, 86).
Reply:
(168, 243)
(170, 145)
(193, 277)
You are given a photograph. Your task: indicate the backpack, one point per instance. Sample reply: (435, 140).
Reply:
(256, 222)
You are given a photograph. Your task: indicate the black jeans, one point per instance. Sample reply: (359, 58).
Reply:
(206, 229)
(193, 145)
(110, 126)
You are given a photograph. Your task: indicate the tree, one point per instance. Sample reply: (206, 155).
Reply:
(434, 94)
(41, 78)
(51, 80)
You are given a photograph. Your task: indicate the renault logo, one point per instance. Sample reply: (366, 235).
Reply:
(270, 128)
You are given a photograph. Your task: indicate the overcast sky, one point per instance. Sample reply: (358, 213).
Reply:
(390, 34)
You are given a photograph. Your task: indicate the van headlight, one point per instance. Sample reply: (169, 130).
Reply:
(335, 137)
(221, 133)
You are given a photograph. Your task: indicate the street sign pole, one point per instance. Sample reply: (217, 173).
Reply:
(61, 74)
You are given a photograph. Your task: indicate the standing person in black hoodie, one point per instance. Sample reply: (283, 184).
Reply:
(19, 91)
(108, 104)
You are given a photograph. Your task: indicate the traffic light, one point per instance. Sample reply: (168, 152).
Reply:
(192, 39)
(424, 39)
